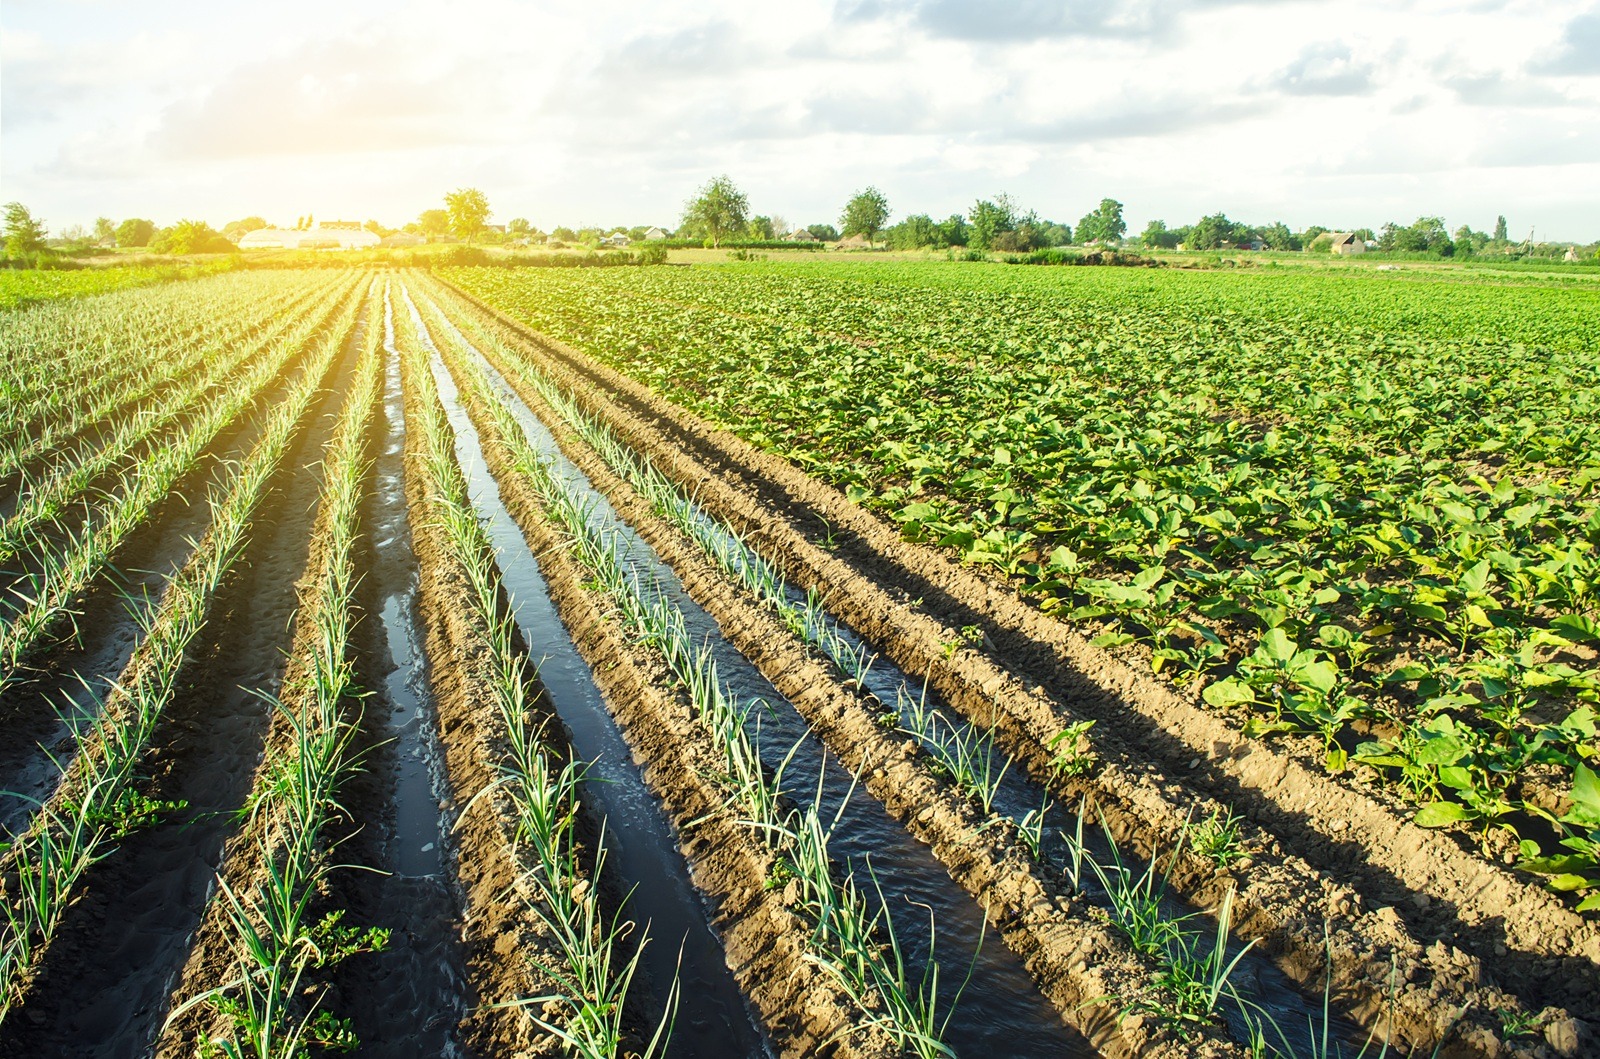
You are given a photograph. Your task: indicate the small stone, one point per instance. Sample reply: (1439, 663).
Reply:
(1194, 763)
(1338, 825)
(1422, 901)
(1564, 1036)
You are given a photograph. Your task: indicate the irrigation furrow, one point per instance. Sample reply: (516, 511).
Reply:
(70, 570)
(248, 967)
(1038, 917)
(91, 805)
(495, 755)
(765, 942)
(1008, 999)
(215, 381)
(769, 506)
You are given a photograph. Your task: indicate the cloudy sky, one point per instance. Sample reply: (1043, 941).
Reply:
(1336, 112)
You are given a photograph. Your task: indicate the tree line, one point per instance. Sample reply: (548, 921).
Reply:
(719, 213)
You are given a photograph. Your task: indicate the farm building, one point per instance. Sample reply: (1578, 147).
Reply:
(801, 235)
(327, 235)
(616, 239)
(1571, 254)
(652, 234)
(402, 239)
(1347, 243)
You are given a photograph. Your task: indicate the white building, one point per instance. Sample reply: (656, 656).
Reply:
(327, 235)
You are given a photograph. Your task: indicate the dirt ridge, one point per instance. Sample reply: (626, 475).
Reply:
(1038, 666)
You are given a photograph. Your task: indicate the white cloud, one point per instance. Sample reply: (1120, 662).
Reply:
(1352, 111)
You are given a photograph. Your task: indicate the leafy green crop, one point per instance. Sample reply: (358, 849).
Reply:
(1352, 506)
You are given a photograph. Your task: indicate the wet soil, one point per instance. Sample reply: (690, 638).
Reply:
(1418, 886)
(70, 678)
(103, 986)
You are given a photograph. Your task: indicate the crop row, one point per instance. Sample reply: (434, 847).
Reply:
(67, 567)
(63, 364)
(270, 906)
(853, 938)
(95, 799)
(587, 968)
(219, 365)
(1383, 541)
(20, 287)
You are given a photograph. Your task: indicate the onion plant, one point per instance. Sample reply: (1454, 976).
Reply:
(849, 930)
(537, 784)
(66, 571)
(271, 924)
(55, 848)
(221, 372)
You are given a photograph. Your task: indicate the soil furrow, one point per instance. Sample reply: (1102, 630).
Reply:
(764, 941)
(1078, 962)
(1412, 899)
(103, 986)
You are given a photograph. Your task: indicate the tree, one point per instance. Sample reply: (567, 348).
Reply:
(135, 231)
(1212, 232)
(953, 230)
(191, 237)
(1500, 233)
(866, 213)
(1104, 225)
(24, 232)
(518, 226)
(990, 220)
(718, 210)
(914, 233)
(237, 229)
(469, 208)
(1156, 236)
(563, 234)
(434, 223)
(1277, 236)
(825, 233)
(760, 228)
(105, 231)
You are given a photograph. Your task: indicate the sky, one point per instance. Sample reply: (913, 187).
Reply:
(1344, 113)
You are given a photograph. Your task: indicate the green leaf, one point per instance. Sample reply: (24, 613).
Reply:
(1336, 637)
(1277, 646)
(1585, 798)
(1440, 814)
(1318, 675)
(1579, 626)
(1112, 639)
(1476, 578)
(1229, 692)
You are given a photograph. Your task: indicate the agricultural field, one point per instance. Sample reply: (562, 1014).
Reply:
(861, 660)
(19, 287)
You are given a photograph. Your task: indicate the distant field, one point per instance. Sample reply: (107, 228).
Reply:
(1353, 505)
(20, 287)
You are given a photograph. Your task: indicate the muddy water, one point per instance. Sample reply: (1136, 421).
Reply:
(408, 999)
(1291, 1019)
(642, 851)
(1001, 1009)
(105, 984)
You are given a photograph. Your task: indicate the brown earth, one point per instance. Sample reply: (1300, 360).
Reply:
(1076, 957)
(764, 941)
(1322, 850)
